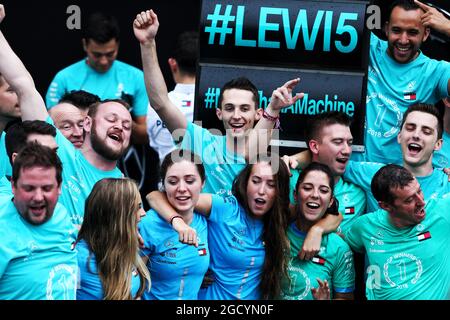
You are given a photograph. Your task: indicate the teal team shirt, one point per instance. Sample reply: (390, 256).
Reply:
(90, 285)
(221, 166)
(119, 81)
(393, 87)
(333, 263)
(237, 252)
(352, 199)
(412, 263)
(5, 165)
(5, 187)
(176, 269)
(37, 262)
(79, 177)
(441, 158)
(433, 186)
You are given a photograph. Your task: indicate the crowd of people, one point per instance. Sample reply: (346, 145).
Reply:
(226, 223)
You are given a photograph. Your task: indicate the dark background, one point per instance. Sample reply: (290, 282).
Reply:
(37, 32)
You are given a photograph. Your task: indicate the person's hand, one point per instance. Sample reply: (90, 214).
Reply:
(322, 292)
(447, 172)
(145, 26)
(311, 245)
(282, 96)
(186, 234)
(2, 12)
(140, 240)
(432, 18)
(290, 162)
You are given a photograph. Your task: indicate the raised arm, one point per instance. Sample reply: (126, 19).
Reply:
(31, 103)
(145, 28)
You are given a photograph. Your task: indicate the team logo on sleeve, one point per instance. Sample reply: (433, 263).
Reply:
(424, 236)
(318, 260)
(349, 210)
(202, 252)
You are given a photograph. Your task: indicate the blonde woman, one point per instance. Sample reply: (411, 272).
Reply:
(107, 244)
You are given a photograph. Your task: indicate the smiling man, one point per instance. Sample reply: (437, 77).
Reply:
(223, 156)
(420, 138)
(102, 74)
(400, 75)
(330, 142)
(37, 260)
(107, 128)
(407, 242)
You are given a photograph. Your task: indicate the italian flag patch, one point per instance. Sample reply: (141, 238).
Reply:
(424, 236)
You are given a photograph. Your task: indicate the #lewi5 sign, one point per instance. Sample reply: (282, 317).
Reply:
(324, 43)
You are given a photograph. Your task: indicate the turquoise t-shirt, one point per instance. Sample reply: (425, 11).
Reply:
(5, 186)
(37, 262)
(441, 158)
(333, 263)
(5, 165)
(79, 177)
(391, 88)
(221, 166)
(411, 263)
(237, 252)
(90, 285)
(352, 199)
(176, 269)
(434, 185)
(120, 81)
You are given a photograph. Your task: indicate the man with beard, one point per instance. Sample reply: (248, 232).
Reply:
(107, 128)
(407, 242)
(36, 235)
(400, 75)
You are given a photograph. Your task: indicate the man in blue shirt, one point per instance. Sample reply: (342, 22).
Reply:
(101, 74)
(223, 156)
(37, 260)
(401, 75)
(407, 242)
(107, 128)
(420, 137)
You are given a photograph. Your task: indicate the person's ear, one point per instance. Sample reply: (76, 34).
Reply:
(173, 65)
(13, 156)
(219, 113)
(314, 146)
(385, 206)
(438, 145)
(84, 43)
(87, 124)
(426, 33)
(259, 113)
